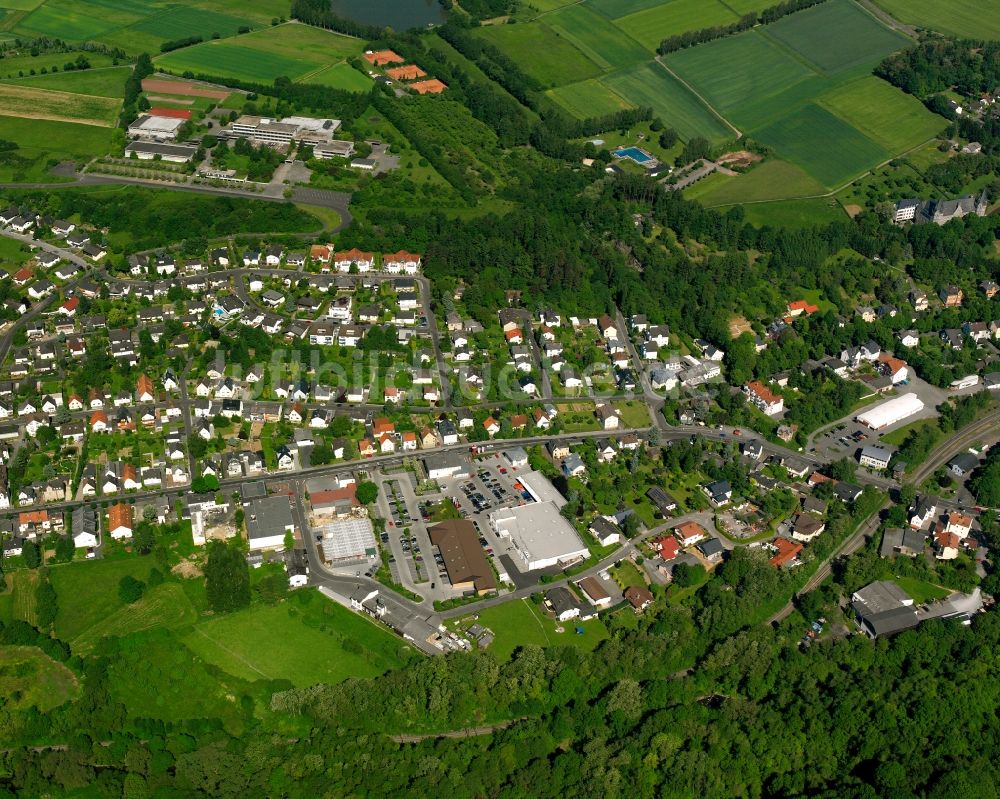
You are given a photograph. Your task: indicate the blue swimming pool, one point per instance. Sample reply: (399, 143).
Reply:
(636, 154)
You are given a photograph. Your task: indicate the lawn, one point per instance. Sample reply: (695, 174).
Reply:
(88, 592)
(588, 98)
(898, 436)
(101, 82)
(541, 52)
(651, 85)
(825, 146)
(893, 119)
(341, 76)
(634, 413)
(973, 19)
(794, 213)
(225, 59)
(519, 623)
(773, 179)
(31, 103)
(836, 36)
(30, 677)
(652, 25)
(604, 44)
(627, 575)
(306, 639)
(921, 591)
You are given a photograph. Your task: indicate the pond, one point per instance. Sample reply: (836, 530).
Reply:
(397, 14)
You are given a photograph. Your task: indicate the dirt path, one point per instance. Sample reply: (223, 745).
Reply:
(467, 732)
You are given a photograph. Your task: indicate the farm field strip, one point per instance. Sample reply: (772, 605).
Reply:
(652, 25)
(589, 98)
(32, 103)
(541, 52)
(973, 19)
(606, 45)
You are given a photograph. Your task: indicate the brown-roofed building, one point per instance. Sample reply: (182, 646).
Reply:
(120, 520)
(638, 597)
(409, 72)
(464, 559)
(432, 86)
(595, 593)
(382, 57)
(788, 551)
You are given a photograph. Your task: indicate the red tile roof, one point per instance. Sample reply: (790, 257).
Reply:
(172, 113)
(432, 86)
(409, 72)
(787, 551)
(381, 57)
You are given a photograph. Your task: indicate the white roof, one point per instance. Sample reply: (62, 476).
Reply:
(539, 531)
(347, 538)
(158, 124)
(891, 411)
(539, 486)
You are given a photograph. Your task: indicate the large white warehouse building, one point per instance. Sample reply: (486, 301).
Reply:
(891, 411)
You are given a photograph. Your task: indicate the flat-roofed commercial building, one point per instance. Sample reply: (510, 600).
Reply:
(464, 559)
(271, 131)
(891, 411)
(155, 128)
(540, 536)
(148, 150)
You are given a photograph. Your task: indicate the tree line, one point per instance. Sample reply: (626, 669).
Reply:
(765, 16)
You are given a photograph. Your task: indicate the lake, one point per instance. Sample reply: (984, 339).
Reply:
(398, 14)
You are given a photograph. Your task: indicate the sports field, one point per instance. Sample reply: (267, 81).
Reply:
(836, 36)
(27, 102)
(649, 84)
(590, 33)
(549, 58)
(316, 641)
(292, 50)
(588, 98)
(652, 25)
(973, 19)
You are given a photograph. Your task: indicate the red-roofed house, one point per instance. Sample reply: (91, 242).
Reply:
(381, 425)
(401, 262)
(68, 308)
(799, 307)
(320, 253)
(667, 547)
(689, 533)
(893, 367)
(959, 523)
(765, 399)
(947, 545)
(364, 261)
(788, 551)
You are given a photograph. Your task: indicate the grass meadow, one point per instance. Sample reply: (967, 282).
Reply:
(544, 55)
(588, 98)
(30, 677)
(972, 19)
(41, 141)
(101, 82)
(605, 45)
(32, 103)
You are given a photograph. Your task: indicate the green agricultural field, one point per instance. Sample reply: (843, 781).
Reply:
(544, 6)
(21, 5)
(541, 52)
(822, 144)
(836, 36)
(588, 98)
(79, 20)
(14, 64)
(596, 38)
(739, 71)
(652, 25)
(227, 60)
(773, 179)
(40, 141)
(30, 677)
(972, 19)
(896, 120)
(103, 82)
(304, 42)
(171, 24)
(31, 103)
(307, 639)
(88, 592)
(341, 76)
(613, 9)
(651, 85)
